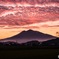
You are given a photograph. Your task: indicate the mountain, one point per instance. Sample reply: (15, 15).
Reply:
(30, 34)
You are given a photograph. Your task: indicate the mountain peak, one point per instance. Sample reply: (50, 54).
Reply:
(31, 34)
(30, 30)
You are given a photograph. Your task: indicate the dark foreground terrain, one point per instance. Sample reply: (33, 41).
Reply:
(30, 50)
(30, 54)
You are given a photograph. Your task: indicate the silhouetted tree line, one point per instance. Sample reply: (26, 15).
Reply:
(54, 43)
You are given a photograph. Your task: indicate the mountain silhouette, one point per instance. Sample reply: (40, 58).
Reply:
(30, 34)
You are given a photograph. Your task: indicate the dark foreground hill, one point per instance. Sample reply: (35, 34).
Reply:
(53, 43)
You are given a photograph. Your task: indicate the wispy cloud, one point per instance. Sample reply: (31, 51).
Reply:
(47, 23)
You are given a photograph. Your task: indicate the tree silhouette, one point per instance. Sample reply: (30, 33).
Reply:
(57, 34)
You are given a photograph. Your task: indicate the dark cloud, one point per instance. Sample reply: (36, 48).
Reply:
(3, 7)
(31, 1)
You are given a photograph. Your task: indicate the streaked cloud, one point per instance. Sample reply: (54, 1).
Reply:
(47, 23)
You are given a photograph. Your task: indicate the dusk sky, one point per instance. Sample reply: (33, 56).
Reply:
(38, 15)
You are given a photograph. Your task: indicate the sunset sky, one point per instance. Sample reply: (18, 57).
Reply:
(38, 15)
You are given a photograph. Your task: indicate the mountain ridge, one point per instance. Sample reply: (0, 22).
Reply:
(31, 34)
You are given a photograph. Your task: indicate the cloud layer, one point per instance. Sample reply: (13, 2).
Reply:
(29, 12)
